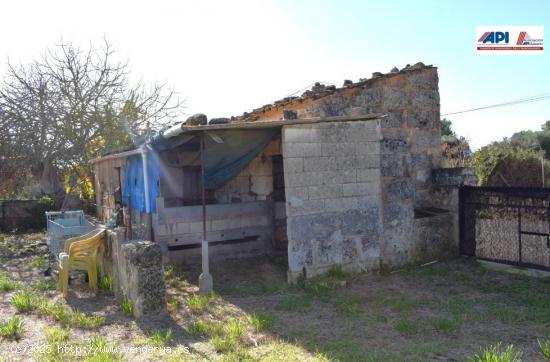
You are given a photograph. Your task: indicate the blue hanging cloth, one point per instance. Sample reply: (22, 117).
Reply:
(134, 188)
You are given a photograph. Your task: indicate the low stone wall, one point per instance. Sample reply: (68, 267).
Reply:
(22, 215)
(436, 236)
(136, 267)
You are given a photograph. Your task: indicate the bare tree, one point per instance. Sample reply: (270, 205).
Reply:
(58, 112)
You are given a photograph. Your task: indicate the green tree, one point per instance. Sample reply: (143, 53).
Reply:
(507, 164)
(455, 149)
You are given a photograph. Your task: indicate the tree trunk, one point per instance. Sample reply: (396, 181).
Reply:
(46, 180)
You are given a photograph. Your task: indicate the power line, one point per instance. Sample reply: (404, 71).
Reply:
(509, 103)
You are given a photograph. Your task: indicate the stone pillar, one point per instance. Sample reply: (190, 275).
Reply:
(137, 271)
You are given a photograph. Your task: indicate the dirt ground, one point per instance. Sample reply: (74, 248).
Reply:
(447, 311)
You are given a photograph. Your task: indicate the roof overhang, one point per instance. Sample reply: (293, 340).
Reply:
(184, 129)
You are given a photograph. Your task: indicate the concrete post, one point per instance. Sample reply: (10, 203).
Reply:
(205, 279)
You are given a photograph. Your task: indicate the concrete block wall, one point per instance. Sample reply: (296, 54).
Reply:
(332, 185)
(232, 229)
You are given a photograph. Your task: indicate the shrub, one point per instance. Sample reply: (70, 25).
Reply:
(23, 301)
(261, 321)
(159, 337)
(38, 262)
(223, 344)
(198, 303)
(43, 285)
(234, 329)
(204, 328)
(7, 284)
(12, 329)
(544, 346)
(106, 283)
(100, 352)
(173, 305)
(127, 307)
(56, 339)
(496, 354)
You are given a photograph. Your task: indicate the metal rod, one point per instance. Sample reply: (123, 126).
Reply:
(542, 167)
(203, 191)
(519, 233)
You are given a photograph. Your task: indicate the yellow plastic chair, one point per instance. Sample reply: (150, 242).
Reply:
(88, 235)
(81, 253)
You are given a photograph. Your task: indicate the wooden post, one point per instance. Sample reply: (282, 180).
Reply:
(205, 279)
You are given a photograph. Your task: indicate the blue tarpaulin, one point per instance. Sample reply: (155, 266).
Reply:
(133, 189)
(223, 161)
(226, 153)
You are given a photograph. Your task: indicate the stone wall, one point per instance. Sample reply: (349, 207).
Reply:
(332, 183)
(409, 143)
(137, 271)
(436, 232)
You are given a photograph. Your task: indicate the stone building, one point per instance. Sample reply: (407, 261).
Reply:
(336, 177)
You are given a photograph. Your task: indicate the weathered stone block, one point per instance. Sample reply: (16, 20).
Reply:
(300, 134)
(398, 189)
(297, 192)
(368, 175)
(393, 120)
(397, 214)
(317, 164)
(325, 191)
(318, 226)
(428, 139)
(293, 165)
(338, 149)
(303, 179)
(392, 164)
(395, 145)
(139, 276)
(304, 207)
(341, 204)
(360, 189)
(367, 148)
(343, 163)
(421, 118)
(361, 222)
(339, 177)
(367, 161)
(301, 149)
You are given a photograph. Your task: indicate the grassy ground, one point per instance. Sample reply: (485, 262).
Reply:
(454, 310)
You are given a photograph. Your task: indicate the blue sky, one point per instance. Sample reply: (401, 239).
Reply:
(376, 35)
(225, 58)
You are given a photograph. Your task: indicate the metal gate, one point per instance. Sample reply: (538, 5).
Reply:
(508, 225)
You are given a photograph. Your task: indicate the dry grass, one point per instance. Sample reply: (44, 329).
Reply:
(448, 311)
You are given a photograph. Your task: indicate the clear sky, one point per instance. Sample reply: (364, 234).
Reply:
(228, 57)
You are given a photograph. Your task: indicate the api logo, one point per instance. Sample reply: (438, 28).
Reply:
(495, 37)
(510, 40)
